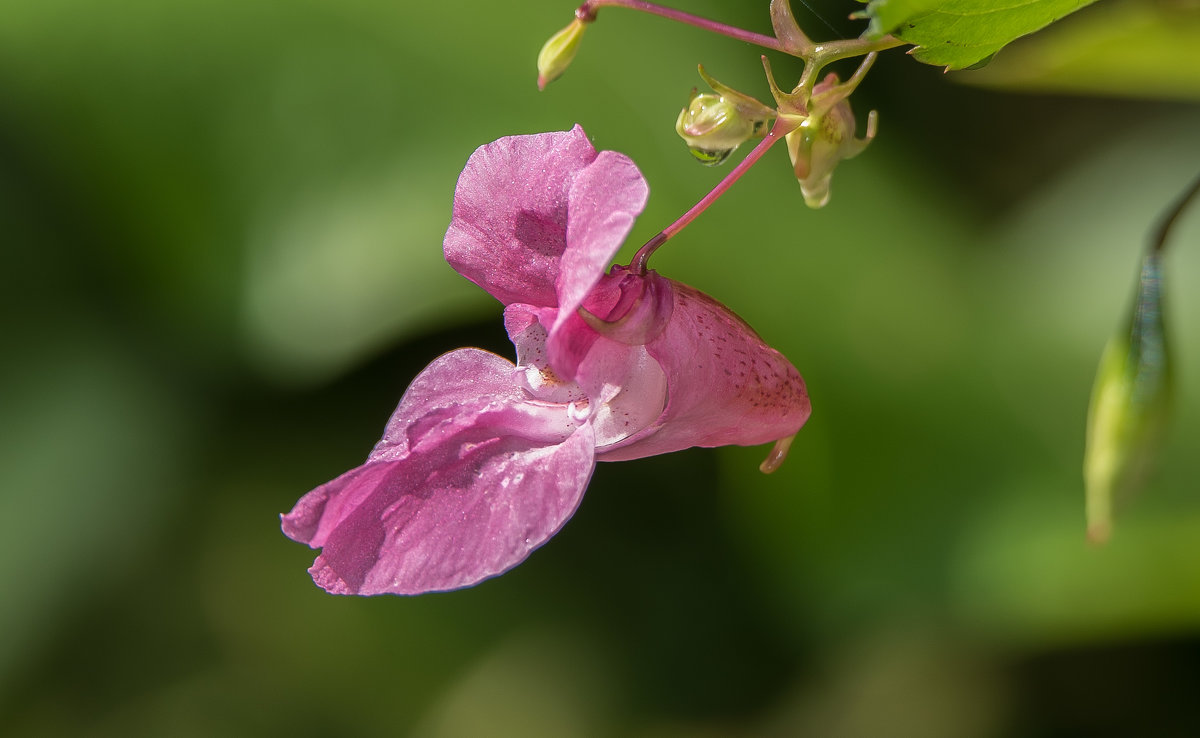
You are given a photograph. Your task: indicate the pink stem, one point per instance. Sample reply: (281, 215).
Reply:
(781, 128)
(587, 12)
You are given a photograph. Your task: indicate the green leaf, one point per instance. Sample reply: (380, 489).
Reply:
(1129, 49)
(961, 33)
(887, 15)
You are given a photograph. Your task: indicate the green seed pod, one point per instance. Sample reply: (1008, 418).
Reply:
(1130, 404)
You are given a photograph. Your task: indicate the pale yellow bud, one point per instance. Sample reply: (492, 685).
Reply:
(558, 52)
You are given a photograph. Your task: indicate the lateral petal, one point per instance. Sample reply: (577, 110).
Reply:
(453, 379)
(455, 514)
(465, 400)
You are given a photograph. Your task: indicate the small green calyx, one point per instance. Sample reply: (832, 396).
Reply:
(556, 55)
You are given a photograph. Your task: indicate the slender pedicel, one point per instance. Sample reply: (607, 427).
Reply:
(782, 127)
(587, 12)
(818, 55)
(1164, 228)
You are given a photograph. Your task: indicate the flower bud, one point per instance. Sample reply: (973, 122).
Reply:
(558, 52)
(713, 127)
(822, 140)
(1129, 407)
(716, 123)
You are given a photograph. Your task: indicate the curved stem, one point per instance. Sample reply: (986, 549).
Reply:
(823, 54)
(587, 11)
(779, 130)
(1169, 218)
(831, 51)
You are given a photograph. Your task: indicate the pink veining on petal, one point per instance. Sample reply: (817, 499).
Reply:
(453, 392)
(726, 386)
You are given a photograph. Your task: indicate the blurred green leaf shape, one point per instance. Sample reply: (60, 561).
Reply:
(1130, 403)
(1132, 396)
(1128, 48)
(90, 448)
(958, 34)
(333, 276)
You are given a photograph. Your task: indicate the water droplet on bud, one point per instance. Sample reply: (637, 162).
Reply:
(710, 157)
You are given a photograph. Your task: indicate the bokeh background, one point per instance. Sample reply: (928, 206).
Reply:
(221, 225)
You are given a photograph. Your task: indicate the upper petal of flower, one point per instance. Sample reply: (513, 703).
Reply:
(724, 384)
(606, 197)
(539, 217)
(482, 483)
(509, 224)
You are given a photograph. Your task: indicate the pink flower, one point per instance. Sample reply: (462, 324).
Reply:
(484, 460)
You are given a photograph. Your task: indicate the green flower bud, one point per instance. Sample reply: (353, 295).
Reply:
(715, 123)
(713, 127)
(558, 52)
(1130, 405)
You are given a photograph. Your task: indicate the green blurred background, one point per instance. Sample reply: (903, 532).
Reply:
(222, 221)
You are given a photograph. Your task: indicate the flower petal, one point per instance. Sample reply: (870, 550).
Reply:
(640, 315)
(628, 387)
(450, 396)
(455, 515)
(619, 386)
(477, 476)
(724, 384)
(526, 326)
(445, 516)
(606, 197)
(452, 379)
(627, 308)
(509, 225)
